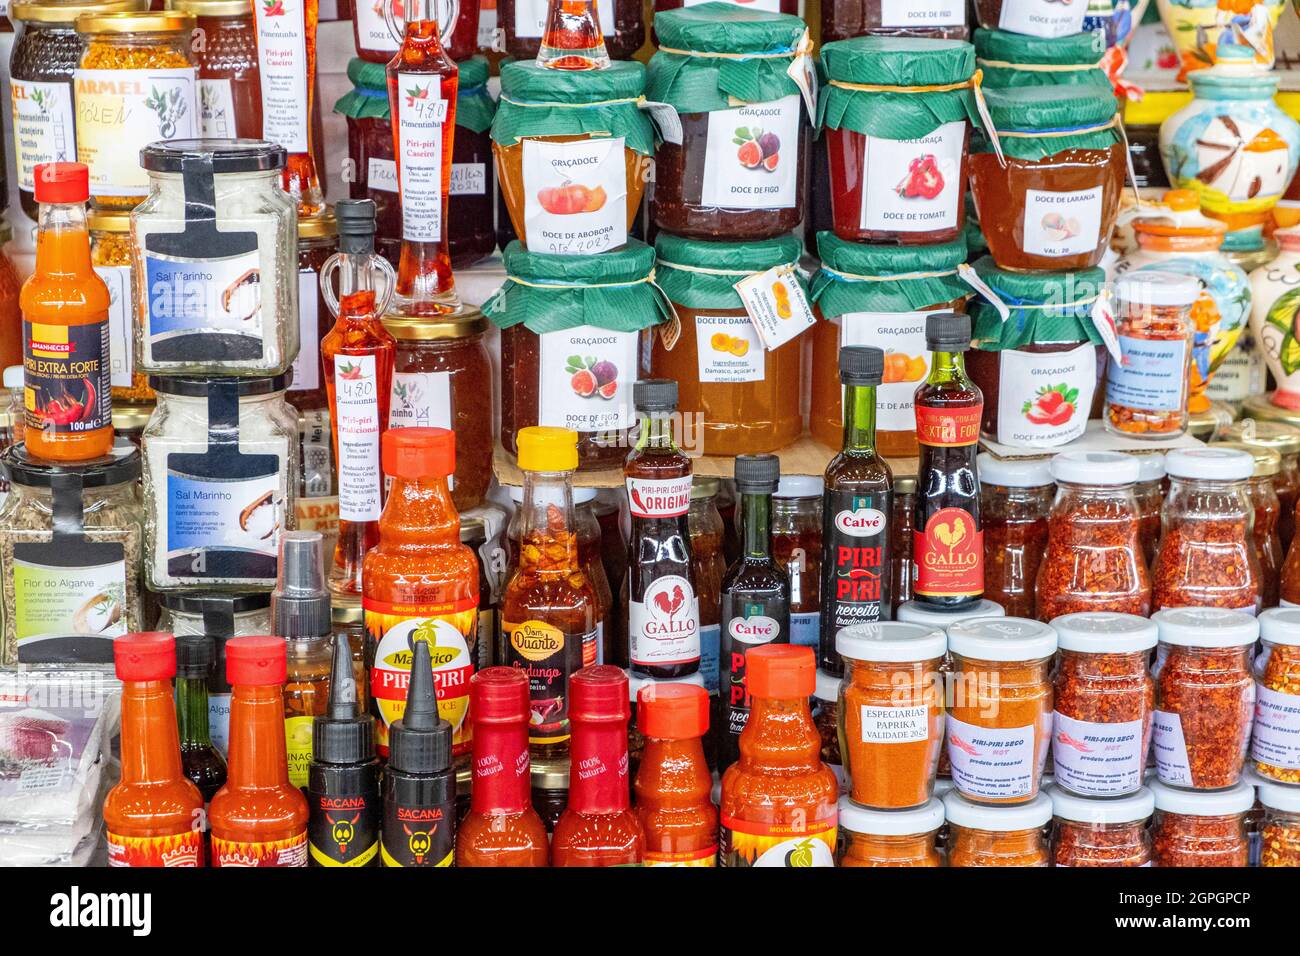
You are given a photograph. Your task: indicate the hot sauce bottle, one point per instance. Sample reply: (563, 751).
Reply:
(502, 828)
(357, 355)
(421, 583)
(673, 783)
(599, 828)
(550, 609)
(286, 54)
(154, 816)
(856, 504)
(779, 800)
(755, 597)
(948, 540)
(258, 818)
(572, 39)
(663, 611)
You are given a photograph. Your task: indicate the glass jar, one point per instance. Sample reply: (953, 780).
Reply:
(1199, 828)
(439, 379)
(587, 529)
(845, 19)
(742, 393)
(980, 835)
(594, 309)
(1285, 440)
(229, 82)
(134, 85)
(907, 187)
(1102, 832)
(1275, 749)
(797, 548)
(1015, 498)
(1280, 833)
(622, 23)
(1262, 498)
(1142, 120)
(1002, 696)
(372, 166)
(220, 482)
(739, 172)
(552, 123)
(902, 569)
(188, 613)
(350, 621)
(1207, 552)
(375, 41)
(708, 566)
(1104, 699)
(550, 790)
(129, 421)
(1149, 493)
(110, 254)
(879, 295)
(481, 530)
(771, 6)
(897, 838)
(1205, 696)
(1094, 559)
(826, 718)
(1012, 60)
(72, 582)
(470, 232)
(1037, 18)
(317, 241)
(11, 346)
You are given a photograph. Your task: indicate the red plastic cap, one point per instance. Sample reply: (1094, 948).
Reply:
(255, 661)
(419, 452)
(599, 692)
(146, 656)
(61, 182)
(782, 671)
(672, 711)
(499, 695)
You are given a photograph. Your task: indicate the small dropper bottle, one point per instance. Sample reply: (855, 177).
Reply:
(300, 613)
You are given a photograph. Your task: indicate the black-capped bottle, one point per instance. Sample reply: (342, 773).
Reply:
(200, 759)
(856, 505)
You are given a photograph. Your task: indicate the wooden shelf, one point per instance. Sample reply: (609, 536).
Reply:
(1096, 438)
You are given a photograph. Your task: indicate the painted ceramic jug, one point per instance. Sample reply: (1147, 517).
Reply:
(1275, 293)
(1173, 236)
(1197, 25)
(1114, 18)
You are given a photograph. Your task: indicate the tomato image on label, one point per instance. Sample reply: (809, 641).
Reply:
(571, 199)
(757, 148)
(1052, 405)
(592, 377)
(923, 179)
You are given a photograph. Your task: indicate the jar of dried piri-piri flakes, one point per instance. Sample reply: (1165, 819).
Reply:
(1200, 828)
(1285, 440)
(1280, 833)
(1101, 832)
(1261, 495)
(1150, 495)
(1104, 700)
(1016, 495)
(1275, 745)
(110, 254)
(1205, 696)
(1094, 559)
(980, 835)
(890, 837)
(1207, 554)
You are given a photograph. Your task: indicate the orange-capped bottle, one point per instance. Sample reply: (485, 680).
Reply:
(673, 782)
(779, 801)
(258, 818)
(154, 816)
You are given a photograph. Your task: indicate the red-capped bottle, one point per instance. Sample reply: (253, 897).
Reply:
(598, 828)
(673, 783)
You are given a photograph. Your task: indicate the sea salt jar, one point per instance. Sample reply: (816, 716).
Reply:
(214, 260)
(220, 482)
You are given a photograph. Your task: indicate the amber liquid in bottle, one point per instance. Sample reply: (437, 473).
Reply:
(281, 75)
(572, 39)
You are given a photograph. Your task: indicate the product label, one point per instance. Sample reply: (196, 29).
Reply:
(469, 179)
(1098, 759)
(372, 27)
(282, 67)
(421, 115)
(710, 639)
(1044, 397)
(549, 657)
(66, 377)
(1170, 748)
(381, 174)
(69, 599)
(205, 309)
(913, 185)
(728, 349)
(1062, 223)
(419, 835)
(307, 366)
(43, 127)
(855, 560)
(216, 109)
(776, 305)
(991, 762)
(948, 427)
(747, 624)
(179, 849)
(420, 399)
(1276, 739)
(805, 628)
(121, 347)
(585, 379)
(343, 830)
(907, 361)
(356, 390)
(119, 112)
(575, 195)
(530, 19)
(291, 851)
(949, 555)
(895, 725)
(659, 497)
(1042, 18)
(747, 843)
(222, 517)
(664, 627)
(752, 157)
(219, 721)
(705, 856)
(298, 747)
(1152, 376)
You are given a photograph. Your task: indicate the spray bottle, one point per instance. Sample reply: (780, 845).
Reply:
(300, 613)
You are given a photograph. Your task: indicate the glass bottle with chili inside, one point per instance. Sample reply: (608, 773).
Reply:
(286, 59)
(1015, 498)
(948, 540)
(673, 782)
(573, 39)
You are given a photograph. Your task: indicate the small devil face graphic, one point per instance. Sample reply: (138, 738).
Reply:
(419, 842)
(342, 832)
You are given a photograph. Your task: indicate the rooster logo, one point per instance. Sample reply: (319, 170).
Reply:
(950, 535)
(669, 603)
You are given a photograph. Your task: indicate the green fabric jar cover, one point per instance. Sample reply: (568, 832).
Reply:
(1069, 319)
(1032, 109)
(856, 277)
(1012, 60)
(679, 256)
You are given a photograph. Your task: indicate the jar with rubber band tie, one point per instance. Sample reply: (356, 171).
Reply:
(1014, 60)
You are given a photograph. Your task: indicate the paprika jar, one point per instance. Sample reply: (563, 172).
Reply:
(440, 379)
(1102, 832)
(1275, 745)
(317, 241)
(1206, 556)
(522, 22)
(1002, 697)
(980, 835)
(1205, 696)
(1015, 498)
(1036, 18)
(890, 838)
(110, 254)
(592, 309)
(1046, 176)
(1104, 698)
(1280, 832)
(1262, 498)
(229, 81)
(1200, 828)
(891, 712)
(573, 153)
(879, 295)
(1150, 494)
(1285, 440)
(941, 20)
(1094, 559)
(908, 186)
(1010, 60)
(744, 395)
(739, 172)
(470, 232)
(372, 167)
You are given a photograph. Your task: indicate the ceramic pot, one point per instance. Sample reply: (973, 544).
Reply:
(1195, 27)
(1275, 297)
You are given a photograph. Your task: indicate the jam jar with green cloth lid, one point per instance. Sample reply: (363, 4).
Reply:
(470, 230)
(739, 172)
(573, 152)
(881, 296)
(1013, 60)
(897, 113)
(571, 344)
(370, 152)
(1040, 368)
(744, 396)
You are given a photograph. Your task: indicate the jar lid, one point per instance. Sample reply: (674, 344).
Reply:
(108, 220)
(45, 12)
(1203, 803)
(892, 642)
(1014, 472)
(188, 387)
(726, 28)
(1105, 632)
(580, 495)
(1077, 49)
(828, 687)
(1130, 808)
(1151, 466)
(526, 80)
(1267, 461)
(904, 484)
(213, 8)
(130, 416)
(799, 486)
(923, 819)
(1095, 468)
(730, 256)
(228, 155)
(1211, 464)
(899, 61)
(1063, 289)
(1277, 796)
(1266, 434)
(1002, 639)
(136, 21)
(1280, 625)
(914, 612)
(473, 73)
(346, 614)
(467, 320)
(999, 818)
(635, 682)
(323, 225)
(1160, 289)
(201, 604)
(704, 487)
(1206, 627)
(550, 774)
(120, 465)
(1041, 108)
(860, 258)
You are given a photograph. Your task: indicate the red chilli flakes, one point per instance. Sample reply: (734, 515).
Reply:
(1180, 839)
(1211, 692)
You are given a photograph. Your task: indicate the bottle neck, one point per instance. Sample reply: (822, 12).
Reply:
(664, 764)
(548, 517)
(62, 240)
(946, 367)
(860, 419)
(419, 513)
(656, 432)
(422, 25)
(502, 773)
(257, 759)
(151, 749)
(756, 524)
(192, 712)
(598, 766)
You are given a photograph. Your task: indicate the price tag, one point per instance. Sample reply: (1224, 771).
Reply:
(804, 75)
(776, 305)
(1103, 317)
(972, 279)
(666, 118)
